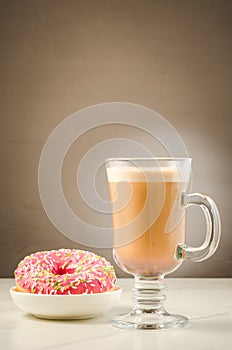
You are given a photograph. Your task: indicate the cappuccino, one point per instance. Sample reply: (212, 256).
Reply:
(147, 217)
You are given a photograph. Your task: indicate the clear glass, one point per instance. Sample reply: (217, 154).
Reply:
(149, 198)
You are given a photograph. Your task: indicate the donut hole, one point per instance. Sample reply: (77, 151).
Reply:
(65, 270)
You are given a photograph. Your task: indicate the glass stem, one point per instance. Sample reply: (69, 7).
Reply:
(148, 294)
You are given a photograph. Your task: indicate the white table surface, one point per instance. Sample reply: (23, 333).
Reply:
(206, 302)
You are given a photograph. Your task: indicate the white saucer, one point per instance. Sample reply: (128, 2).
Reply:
(65, 306)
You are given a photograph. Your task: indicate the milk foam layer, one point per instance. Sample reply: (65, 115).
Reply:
(148, 174)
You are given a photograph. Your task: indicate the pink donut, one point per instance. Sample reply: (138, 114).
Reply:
(65, 271)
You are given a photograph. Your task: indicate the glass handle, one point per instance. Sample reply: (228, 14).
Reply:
(213, 229)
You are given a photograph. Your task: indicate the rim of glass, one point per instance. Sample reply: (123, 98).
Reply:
(149, 158)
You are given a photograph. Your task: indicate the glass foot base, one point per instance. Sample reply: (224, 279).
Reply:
(149, 319)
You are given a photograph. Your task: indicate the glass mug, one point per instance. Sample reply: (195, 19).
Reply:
(149, 200)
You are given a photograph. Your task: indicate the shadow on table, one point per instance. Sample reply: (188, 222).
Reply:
(212, 323)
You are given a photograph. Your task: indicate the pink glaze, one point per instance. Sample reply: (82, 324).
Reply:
(65, 271)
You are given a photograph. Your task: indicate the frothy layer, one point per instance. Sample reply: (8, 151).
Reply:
(136, 174)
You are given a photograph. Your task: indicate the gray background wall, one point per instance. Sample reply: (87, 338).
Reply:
(60, 56)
